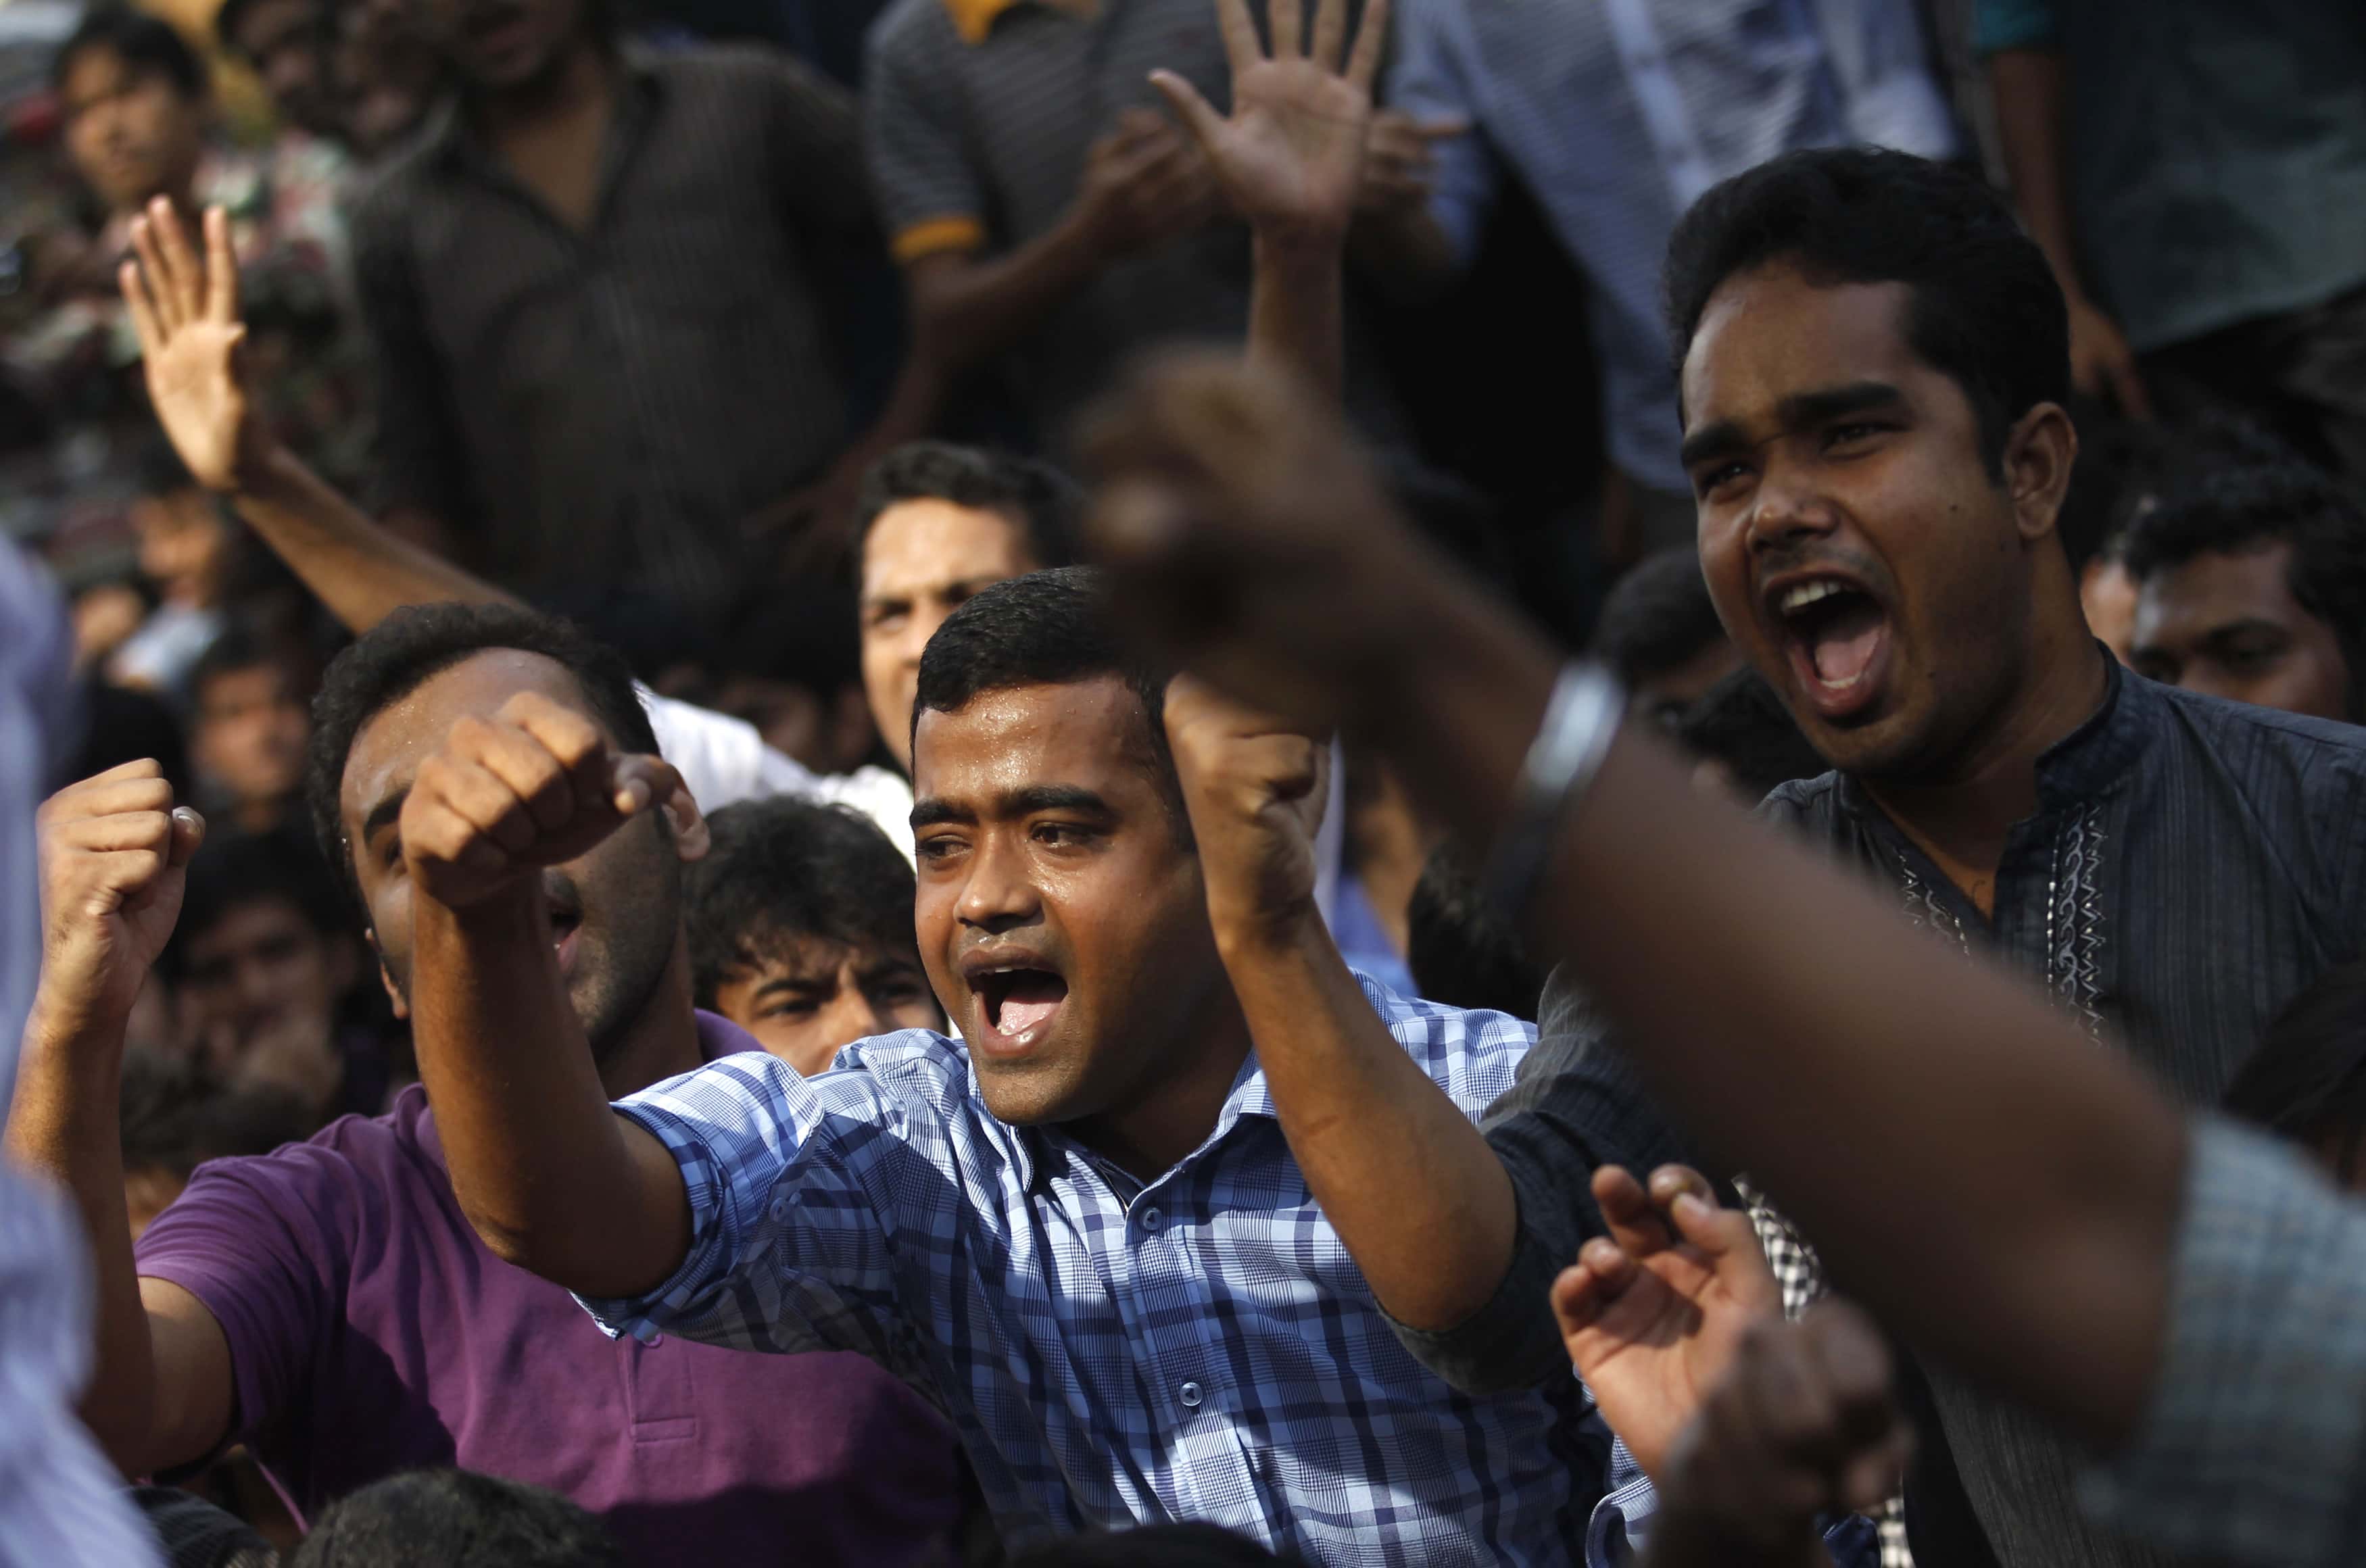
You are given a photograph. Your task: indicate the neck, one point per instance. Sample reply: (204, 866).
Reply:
(662, 1039)
(577, 78)
(1961, 812)
(1174, 1113)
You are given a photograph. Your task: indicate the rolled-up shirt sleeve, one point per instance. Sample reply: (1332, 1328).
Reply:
(792, 1239)
(2254, 1447)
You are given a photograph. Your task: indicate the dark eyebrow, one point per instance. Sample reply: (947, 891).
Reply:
(1801, 410)
(385, 811)
(792, 983)
(1023, 801)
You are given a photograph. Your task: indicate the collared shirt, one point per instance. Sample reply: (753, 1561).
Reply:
(2253, 1447)
(613, 402)
(1197, 1347)
(2193, 865)
(1617, 115)
(371, 1331)
(978, 115)
(1621, 1527)
(2216, 151)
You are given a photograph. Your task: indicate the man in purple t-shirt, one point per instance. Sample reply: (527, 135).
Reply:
(329, 1304)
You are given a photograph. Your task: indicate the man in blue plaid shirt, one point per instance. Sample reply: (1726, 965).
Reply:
(1085, 1234)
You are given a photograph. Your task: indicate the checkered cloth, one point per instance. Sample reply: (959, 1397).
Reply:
(1198, 1348)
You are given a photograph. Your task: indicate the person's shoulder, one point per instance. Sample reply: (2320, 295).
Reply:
(910, 1061)
(2267, 730)
(910, 30)
(1465, 1050)
(1803, 799)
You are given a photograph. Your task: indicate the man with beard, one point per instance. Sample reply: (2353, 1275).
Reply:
(327, 1305)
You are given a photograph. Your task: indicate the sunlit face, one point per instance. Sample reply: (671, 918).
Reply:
(1855, 543)
(615, 913)
(287, 46)
(807, 997)
(251, 732)
(130, 133)
(503, 44)
(2226, 624)
(920, 561)
(1063, 922)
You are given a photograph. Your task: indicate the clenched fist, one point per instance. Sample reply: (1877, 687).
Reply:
(537, 785)
(1254, 790)
(114, 862)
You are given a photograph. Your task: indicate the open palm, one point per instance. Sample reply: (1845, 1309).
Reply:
(186, 311)
(1291, 154)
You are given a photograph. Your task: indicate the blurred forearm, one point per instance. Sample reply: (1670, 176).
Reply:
(2028, 88)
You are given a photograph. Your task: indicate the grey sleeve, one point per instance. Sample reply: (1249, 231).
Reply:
(929, 194)
(1576, 1104)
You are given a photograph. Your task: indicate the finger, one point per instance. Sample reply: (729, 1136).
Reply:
(189, 834)
(156, 276)
(1730, 1245)
(129, 278)
(432, 832)
(1137, 124)
(1633, 1222)
(537, 778)
(221, 269)
(641, 781)
(1330, 33)
(578, 744)
(118, 833)
(106, 795)
(1371, 33)
(1194, 110)
(1577, 1299)
(1288, 22)
(186, 280)
(1442, 129)
(476, 795)
(1241, 49)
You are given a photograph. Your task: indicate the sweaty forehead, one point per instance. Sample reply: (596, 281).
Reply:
(387, 751)
(1772, 334)
(918, 544)
(1089, 735)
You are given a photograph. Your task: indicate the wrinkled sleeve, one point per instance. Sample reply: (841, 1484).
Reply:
(929, 195)
(1575, 1104)
(2254, 1447)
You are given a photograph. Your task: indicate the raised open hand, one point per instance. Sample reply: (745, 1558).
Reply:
(186, 311)
(1290, 158)
(1652, 1313)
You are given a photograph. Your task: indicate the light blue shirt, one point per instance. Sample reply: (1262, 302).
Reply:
(1617, 115)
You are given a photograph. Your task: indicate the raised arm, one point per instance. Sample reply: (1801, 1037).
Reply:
(185, 310)
(552, 1179)
(114, 854)
(1252, 543)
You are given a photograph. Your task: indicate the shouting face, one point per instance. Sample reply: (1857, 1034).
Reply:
(1061, 916)
(1864, 554)
(615, 913)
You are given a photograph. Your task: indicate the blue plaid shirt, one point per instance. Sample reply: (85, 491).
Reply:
(1198, 1348)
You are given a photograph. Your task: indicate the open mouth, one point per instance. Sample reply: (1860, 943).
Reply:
(1837, 635)
(1018, 1000)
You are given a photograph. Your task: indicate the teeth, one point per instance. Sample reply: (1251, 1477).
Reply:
(1806, 594)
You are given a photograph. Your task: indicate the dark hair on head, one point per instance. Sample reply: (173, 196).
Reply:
(1047, 504)
(1461, 950)
(1741, 723)
(158, 471)
(233, 869)
(2202, 510)
(233, 13)
(784, 870)
(456, 1518)
(175, 1115)
(243, 645)
(1190, 1545)
(1659, 616)
(122, 724)
(1986, 313)
(144, 43)
(2306, 1081)
(1044, 629)
(419, 641)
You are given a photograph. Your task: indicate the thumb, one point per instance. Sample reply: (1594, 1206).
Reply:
(1195, 111)
(189, 832)
(640, 781)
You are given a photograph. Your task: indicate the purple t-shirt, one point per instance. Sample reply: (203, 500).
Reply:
(370, 1332)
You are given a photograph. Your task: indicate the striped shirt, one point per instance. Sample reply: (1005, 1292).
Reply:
(1617, 115)
(1198, 1346)
(610, 404)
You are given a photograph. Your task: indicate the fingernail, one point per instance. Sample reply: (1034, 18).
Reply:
(1688, 1205)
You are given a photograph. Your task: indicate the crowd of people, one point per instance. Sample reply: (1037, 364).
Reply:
(1187, 781)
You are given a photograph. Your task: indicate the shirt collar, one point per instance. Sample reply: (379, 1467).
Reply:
(1046, 1152)
(974, 19)
(444, 135)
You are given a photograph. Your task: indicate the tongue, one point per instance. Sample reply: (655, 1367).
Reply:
(1844, 643)
(1032, 998)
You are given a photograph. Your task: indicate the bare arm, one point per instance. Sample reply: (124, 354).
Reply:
(551, 1177)
(113, 857)
(1250, 544)
(186, 310)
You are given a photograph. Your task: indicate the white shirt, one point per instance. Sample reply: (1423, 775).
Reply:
(724, 760)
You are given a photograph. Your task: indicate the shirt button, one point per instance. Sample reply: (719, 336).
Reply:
(780, 1209)
(1190, 1394)
(1152, 1219)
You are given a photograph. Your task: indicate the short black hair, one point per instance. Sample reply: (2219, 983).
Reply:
(2205, 509)
(1659, 616)
(173, 1115)
(1741, 723)
(231, 869)
(1044, 629)
(2306, 1081)
(804, 631)
(419, 641)
(1986, 313)
(143, 43)
(456, 1518)
(1461, 950)
(242, 645)
(783, 869)
(1047, 504)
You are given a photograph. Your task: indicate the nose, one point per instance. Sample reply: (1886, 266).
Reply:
(1787, 509)
(998, 895)
(853, 1016)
